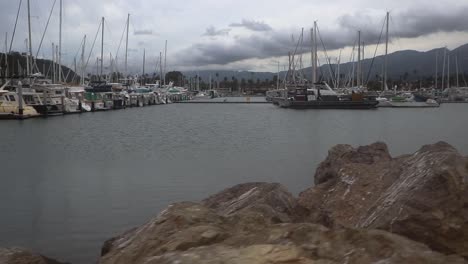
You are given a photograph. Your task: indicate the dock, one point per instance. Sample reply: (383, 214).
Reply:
(227, 100)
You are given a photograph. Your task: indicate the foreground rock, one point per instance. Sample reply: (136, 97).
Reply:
(271, 200)
(21, 256)
(423, 196)
(257, 223)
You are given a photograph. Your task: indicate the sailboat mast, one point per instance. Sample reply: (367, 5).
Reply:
(314, 79)
(126, 45)
(160, 70)
(443, 69)
(456, 67)
(165, 62)
(358, 77)
(30, 42)
(143, 75)
(53, 62)
(56, 62)
(6, 55)
(338, 71)
(386, 52)
(362, 59)
(60, 46)
(278, 77)
(102, 48)
(82, 60)
(437, 69)
(448, 70)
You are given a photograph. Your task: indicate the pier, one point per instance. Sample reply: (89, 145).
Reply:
(227, 100)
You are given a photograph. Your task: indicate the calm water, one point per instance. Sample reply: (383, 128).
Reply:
(69, 183)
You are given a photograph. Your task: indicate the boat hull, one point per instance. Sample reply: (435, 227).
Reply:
(407, 105)
(327, 104)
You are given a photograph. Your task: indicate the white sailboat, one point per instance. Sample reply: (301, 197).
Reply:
(402, 100)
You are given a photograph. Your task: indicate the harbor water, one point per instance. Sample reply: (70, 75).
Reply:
(68, 183)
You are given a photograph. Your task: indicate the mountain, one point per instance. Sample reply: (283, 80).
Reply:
(17, 64)
(405, 65)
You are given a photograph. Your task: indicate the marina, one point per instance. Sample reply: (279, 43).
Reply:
(117, 113)
(102, 173)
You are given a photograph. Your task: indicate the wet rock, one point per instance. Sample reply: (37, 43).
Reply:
(422, 196)
(235, 231)
(22, 256)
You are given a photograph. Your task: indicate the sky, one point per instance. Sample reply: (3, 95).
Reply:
(252, 35)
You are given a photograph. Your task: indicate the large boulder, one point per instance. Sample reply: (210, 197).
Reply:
(272, 200)
(227, 229)
(423, 196)
(22, 256)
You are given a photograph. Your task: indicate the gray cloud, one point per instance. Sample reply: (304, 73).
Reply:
(252, 25)
(272, 43)
(211, 31)
(143, 32)
(216, 52)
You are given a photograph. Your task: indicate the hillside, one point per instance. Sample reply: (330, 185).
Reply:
(406, 65)
(17, 67)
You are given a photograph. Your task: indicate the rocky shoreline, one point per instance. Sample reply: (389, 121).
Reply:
(365, 207)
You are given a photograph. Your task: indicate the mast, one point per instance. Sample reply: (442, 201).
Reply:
(102, 48)
(111, 67)
(437, 69)
(20, 88)
(362, 59)
(314, 79)
(56, 63)
(30, 42)
(338, 71)
(160, 70)
(456, 67)
(82, 60)
(358, 84)
(143, 75)
(277, 79)
(60, 46)
(165, 62)
(448, 70)
(126, 46)
(53, 62)
(74, 69)
(443, 69)
(27, 57)
(386, 53)
(6, 55)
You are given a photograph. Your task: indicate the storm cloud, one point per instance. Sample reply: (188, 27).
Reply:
(278, 42)
(211, 31)
(231, 33)
(252, 25)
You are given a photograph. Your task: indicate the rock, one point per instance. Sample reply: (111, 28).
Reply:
(238, 233)
(272, 200)
(423, 196)
(22, 256)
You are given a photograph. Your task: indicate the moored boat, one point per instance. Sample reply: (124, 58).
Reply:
(321, 96)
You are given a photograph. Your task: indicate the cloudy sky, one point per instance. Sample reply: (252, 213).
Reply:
(235, 34)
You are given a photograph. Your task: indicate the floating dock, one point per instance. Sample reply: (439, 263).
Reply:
(227, 100)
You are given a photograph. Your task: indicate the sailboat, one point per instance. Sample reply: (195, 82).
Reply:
(401, 100)
(300, 94)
